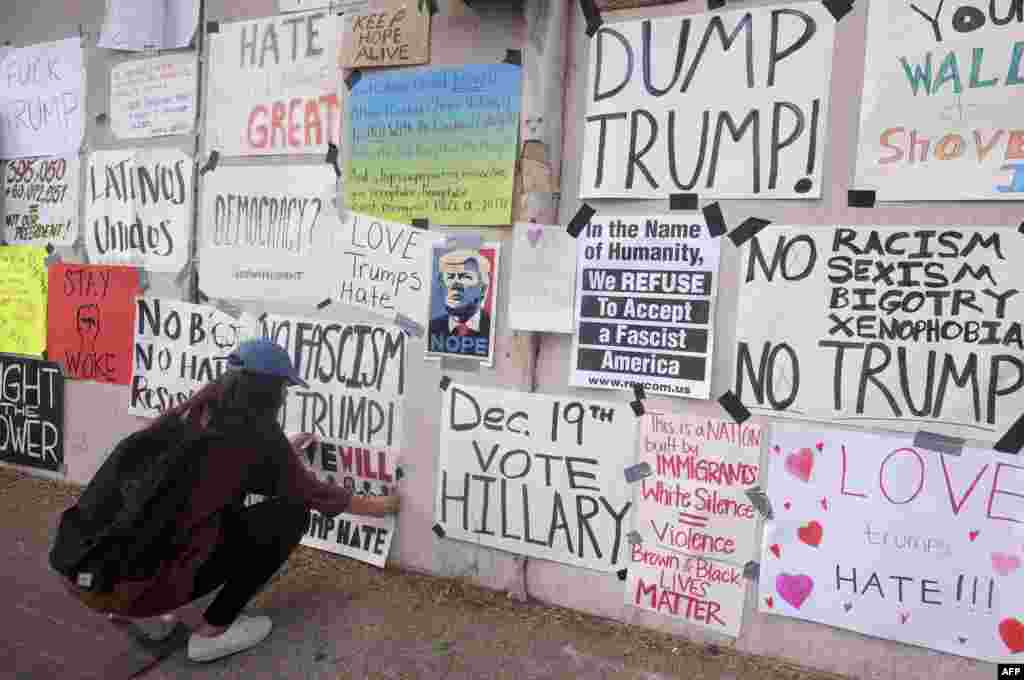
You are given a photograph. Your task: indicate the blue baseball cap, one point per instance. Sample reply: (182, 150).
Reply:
(263, 356)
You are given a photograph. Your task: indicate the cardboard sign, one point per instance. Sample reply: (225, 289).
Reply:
(463, 301)
(536, 475)
(541, 278)
(23, 286)
(645, 300)
(153, 97)
(904, 328)
(728, 105)
(138, 208)
(275, 81)
(940, 115)
(394, 33)
(91, 320)
(41, 200)
(877, 536)
(31, 412)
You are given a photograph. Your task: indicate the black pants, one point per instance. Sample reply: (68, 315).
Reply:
(255, 543)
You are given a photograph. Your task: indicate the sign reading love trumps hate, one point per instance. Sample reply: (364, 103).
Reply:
(536, 475)
(874, 534)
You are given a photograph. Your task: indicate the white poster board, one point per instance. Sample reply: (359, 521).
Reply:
(901, 328)
(536, 475)
(41, 102)
(275, 82)
(40, 200)
(940, 115)
(646, 287)
(875, 535)
(153, 97)
(263, 232)
(138, 208)
(344, 6)
(137, 25)
(542, 278)
(727, 105)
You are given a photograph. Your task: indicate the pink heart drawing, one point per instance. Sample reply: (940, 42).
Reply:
(1005, 564)
(820, 445)
(794, 589)
(800, 464)
(534, 235)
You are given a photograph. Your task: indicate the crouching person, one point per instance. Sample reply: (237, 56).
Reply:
(164, 521)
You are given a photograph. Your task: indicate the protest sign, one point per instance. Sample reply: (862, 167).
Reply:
(275, 84)
(355, 405)
(904, 328)
(41, 200)
(536, 475)
(138, 208)
(463, 301)
(344, 6)
(31, 412)
(727, 105)
(179, 347)
(41, 102)
(394, 33)
(940, 114)
(23, 300)
(697, 526)
(153, 97)
(544, 266)
(434, 143)
(265, 233)
(645, 302)
(91, 321)
(875, 535)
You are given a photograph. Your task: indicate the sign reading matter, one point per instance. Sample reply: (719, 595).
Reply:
(275, 84)
(536, 475)
(153, 97)
(31, 412)
(940, 115)
(908, 328)
(41, 200)
(645, 301)
(875, 535)
(730, 105)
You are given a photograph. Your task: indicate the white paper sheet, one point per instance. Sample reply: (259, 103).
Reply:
(542, 279)
(153, 97)
(137, 25)
(41, 200)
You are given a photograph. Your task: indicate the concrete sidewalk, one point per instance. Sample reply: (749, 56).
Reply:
(340, 619)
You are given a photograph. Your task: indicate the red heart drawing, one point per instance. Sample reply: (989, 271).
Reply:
(800, 464)
(973, 535)
(787, 505)
(810, 534)
(777, 449)
(824, 503)
(769, 601)
(1012, 632)
(820, 445)
(904, 617)
(776, 550)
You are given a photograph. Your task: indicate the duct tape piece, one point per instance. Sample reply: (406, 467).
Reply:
(734, 407)
(411, 327)
(634, 473)
(752, 570)
(582, 219)
(445, 382)
(759, 499)
(683, 202)
(471, 241)
(1013, 440)
(932, 441)
(459, 364)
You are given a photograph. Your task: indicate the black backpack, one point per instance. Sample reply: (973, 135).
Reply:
(123, 525)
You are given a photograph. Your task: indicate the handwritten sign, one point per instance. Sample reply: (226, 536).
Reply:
(536, 475)
(939, 118)
(434, 143)
(138, 208)
(904, 327)
(645, 300)
(91, 321)
(730, 105)
(544, 267)
(41, 200)
(153, 97)
(894, 541)
(275, 84)
(31, 412)
(23, 287)
(179, 347)
(395, 33)
(138, 25)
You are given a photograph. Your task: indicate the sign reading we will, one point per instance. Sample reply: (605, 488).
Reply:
(731, 104)
(31, 412)
(906, 327)
(395, 33)
(536, 475)
(41, 200)
(890, 540)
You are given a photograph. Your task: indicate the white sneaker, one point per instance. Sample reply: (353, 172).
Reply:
(245, 632)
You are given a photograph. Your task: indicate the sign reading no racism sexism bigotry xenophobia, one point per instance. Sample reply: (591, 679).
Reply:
(727, 105)
(536, 475)
(908, 328)
(940, 115)
(31, 412)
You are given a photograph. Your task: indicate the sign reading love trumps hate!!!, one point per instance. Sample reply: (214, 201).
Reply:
(873, 534)
(536, 475)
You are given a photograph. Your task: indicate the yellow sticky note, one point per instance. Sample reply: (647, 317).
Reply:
(23, 300)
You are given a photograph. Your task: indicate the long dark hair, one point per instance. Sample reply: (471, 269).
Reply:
(237, 401)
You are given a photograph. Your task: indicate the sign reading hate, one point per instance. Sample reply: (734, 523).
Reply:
(536, 475)
(730, 105)
(31, 412)
(915, 326)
